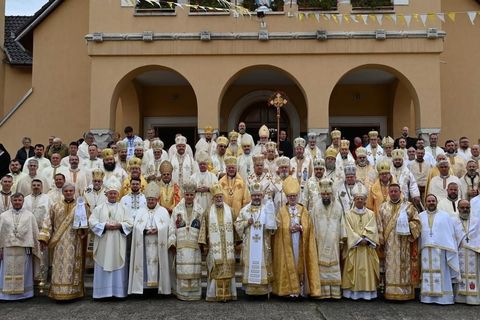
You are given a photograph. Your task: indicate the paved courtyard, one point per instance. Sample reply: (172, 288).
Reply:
(170, 308)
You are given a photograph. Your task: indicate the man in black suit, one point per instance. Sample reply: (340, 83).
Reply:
(25, 152)
(411, 142)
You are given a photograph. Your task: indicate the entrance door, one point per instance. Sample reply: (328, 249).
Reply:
(167, 135)
(261, 113)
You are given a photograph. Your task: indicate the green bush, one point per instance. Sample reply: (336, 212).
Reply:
(318, 4)
(371, 3)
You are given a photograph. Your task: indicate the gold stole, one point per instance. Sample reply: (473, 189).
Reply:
(13, 273)
(66, 223)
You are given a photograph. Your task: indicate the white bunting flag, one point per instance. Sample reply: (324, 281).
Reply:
(441, 16)
(317, 16)
(408, 19)
(472, 15)
(380, 19)
(354, 19)
(364, 18)
(340, 18)
(394, 18)
(423, 17)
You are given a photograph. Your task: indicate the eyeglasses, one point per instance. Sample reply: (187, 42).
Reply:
(463, 208)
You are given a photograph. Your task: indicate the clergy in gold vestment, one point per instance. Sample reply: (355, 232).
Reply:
(217, 234)
(18, 248)
(184, 233)
(67, 246)
(361, 269)
(255, 225)
(399, 228)
(235, 190)
(170, 193)
(135, 171)
(379, 190)
(295, 259)
(327, 216)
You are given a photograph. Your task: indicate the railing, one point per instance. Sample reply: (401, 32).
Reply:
(380, 5)
(317, 5)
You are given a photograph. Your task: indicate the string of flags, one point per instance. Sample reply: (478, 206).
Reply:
(339, 18)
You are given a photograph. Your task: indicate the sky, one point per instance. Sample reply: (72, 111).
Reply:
(23, 7)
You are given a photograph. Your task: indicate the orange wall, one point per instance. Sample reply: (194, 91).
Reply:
(18, 80)
(61, 80)
(461, 74)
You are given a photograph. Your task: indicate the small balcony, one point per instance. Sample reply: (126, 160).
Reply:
(144, 7)
(372, 5)
(317, 5)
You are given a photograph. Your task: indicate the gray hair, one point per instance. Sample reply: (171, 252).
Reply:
(67, 186)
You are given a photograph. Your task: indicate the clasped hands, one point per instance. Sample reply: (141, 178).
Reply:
(296, 228)
(152, 231)
(113, 226)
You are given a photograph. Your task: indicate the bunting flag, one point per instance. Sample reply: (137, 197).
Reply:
(425, 18)
(472, 15)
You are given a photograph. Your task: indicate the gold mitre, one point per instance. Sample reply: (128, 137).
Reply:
(271, 146)
(98, 174)
(359, 190)
(222, 141)
(230, 161)
(134, 162)
(157, 144)
(166, 167)
(107, 153)
(383, 167)
(373, 134)
(232, 134)
(299, 142)
(208, 129)
(319, 163)
(345, 144)
(122, 145)
(291, 186)
(283, 162)
(202, 156)
(312, 136)
(216, 189)
(361, 151)
(330, 152)
(264, 132)
(139, 145)
(326, 186)
(152, 190)
(336, 134)
(350, 169)
(180, 140)
(113, 184)
(398, 154)
(189, 186)
(256, 188)
(388, 142)
(258, 159)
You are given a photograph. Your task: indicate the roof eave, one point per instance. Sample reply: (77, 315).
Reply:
(33, 24)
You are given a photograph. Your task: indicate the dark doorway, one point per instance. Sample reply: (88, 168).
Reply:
(350, 132)
(261, 113)
(167, 135)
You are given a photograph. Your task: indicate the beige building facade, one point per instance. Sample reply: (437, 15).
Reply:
(101, 65)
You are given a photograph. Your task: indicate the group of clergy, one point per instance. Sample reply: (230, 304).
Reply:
(316, 225)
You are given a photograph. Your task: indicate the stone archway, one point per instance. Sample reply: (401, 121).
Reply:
(156, 97)
(255, 85)
(374, 96)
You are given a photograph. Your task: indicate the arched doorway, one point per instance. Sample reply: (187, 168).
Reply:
(373, 97)
(159, 98)
(246, 98)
